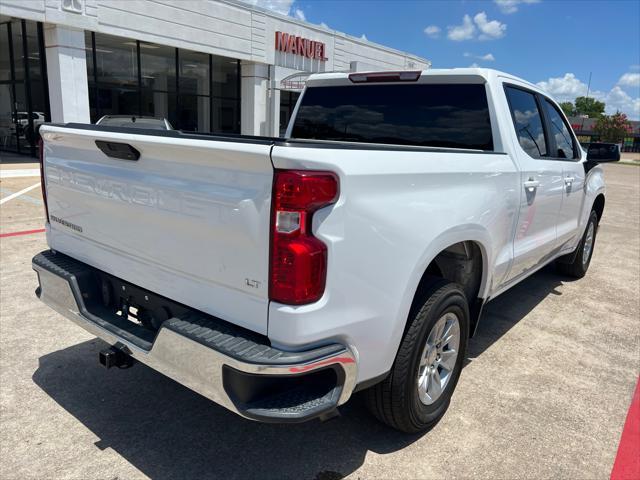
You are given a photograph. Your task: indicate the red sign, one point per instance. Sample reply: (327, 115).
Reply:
(300, 46)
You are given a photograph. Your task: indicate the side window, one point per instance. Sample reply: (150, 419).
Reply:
(558, 128)
(528, 122)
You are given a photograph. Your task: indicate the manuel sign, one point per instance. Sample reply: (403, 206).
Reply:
(300, 46)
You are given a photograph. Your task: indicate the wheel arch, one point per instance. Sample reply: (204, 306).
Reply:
(456, 255)
(598, 205)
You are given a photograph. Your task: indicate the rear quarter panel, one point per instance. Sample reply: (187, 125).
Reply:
(396, 211)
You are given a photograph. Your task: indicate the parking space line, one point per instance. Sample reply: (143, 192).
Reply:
(20, 172)
(17, 194)
(28, 198)
(627, 463)
(24, 232)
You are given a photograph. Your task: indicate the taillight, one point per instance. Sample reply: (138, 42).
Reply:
(298, 268)
(42, 185)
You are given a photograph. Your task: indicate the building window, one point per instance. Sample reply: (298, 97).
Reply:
(225, 94)
(195, 91)
(24, 92)
(116, 62)
(288, 102)
(157, 67)
(627, 144)
(194, 101)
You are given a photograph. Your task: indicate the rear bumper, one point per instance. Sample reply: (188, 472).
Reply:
(227, 364)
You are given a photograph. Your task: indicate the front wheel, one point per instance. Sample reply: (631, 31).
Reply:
(419, 387)
(581, 259)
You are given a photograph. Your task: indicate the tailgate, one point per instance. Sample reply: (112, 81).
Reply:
(188, 220)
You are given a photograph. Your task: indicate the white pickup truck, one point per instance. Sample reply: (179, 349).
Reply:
(278, 276)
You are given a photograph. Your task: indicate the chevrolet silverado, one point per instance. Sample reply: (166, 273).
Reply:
(278, 276)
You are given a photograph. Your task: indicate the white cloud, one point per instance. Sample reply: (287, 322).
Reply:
(364, 37)
(564, 89)
(485, 58)
(283, 7)
(299, 14)
(480, 28)
(568, 87)
(618, 99)
(474, 65)
(630, 80)
(490, 29)
(511, 6)
(279, 6)
(433, 31)
(466, 31)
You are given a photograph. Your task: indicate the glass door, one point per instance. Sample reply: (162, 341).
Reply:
(24, 95)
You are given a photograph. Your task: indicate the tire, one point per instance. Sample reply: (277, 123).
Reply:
(577, 263)
(396, 400)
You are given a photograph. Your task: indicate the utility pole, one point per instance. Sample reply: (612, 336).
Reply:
(588, 90)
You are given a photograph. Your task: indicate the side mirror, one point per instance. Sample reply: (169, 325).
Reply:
(603, 152)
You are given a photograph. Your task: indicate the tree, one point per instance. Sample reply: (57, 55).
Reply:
(568, 109)
(613, 128)
(590, 107)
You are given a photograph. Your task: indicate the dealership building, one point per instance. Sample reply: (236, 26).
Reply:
(206, 66)
(586, 132)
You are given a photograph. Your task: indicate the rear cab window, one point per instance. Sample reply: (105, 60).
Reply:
(426, 115)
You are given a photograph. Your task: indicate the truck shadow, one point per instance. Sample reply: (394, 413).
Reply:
(503, 313)
(167, 431)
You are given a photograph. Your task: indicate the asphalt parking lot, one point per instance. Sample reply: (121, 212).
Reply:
(545, 393)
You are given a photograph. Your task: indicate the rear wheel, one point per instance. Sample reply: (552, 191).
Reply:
(576, 264)
(418, 389)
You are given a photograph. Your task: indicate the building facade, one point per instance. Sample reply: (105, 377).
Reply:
(205, 65)
(584, 128)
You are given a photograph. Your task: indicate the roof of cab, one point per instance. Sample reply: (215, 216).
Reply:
(488, 74)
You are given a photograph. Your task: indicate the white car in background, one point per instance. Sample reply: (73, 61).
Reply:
(135, 121)
(22, 119)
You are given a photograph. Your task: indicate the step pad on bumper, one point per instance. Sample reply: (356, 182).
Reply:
(237, 345)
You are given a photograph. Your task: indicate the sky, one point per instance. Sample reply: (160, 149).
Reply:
(556, 44)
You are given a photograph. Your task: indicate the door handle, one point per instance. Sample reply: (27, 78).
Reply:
(531, 184)
(569, 180)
